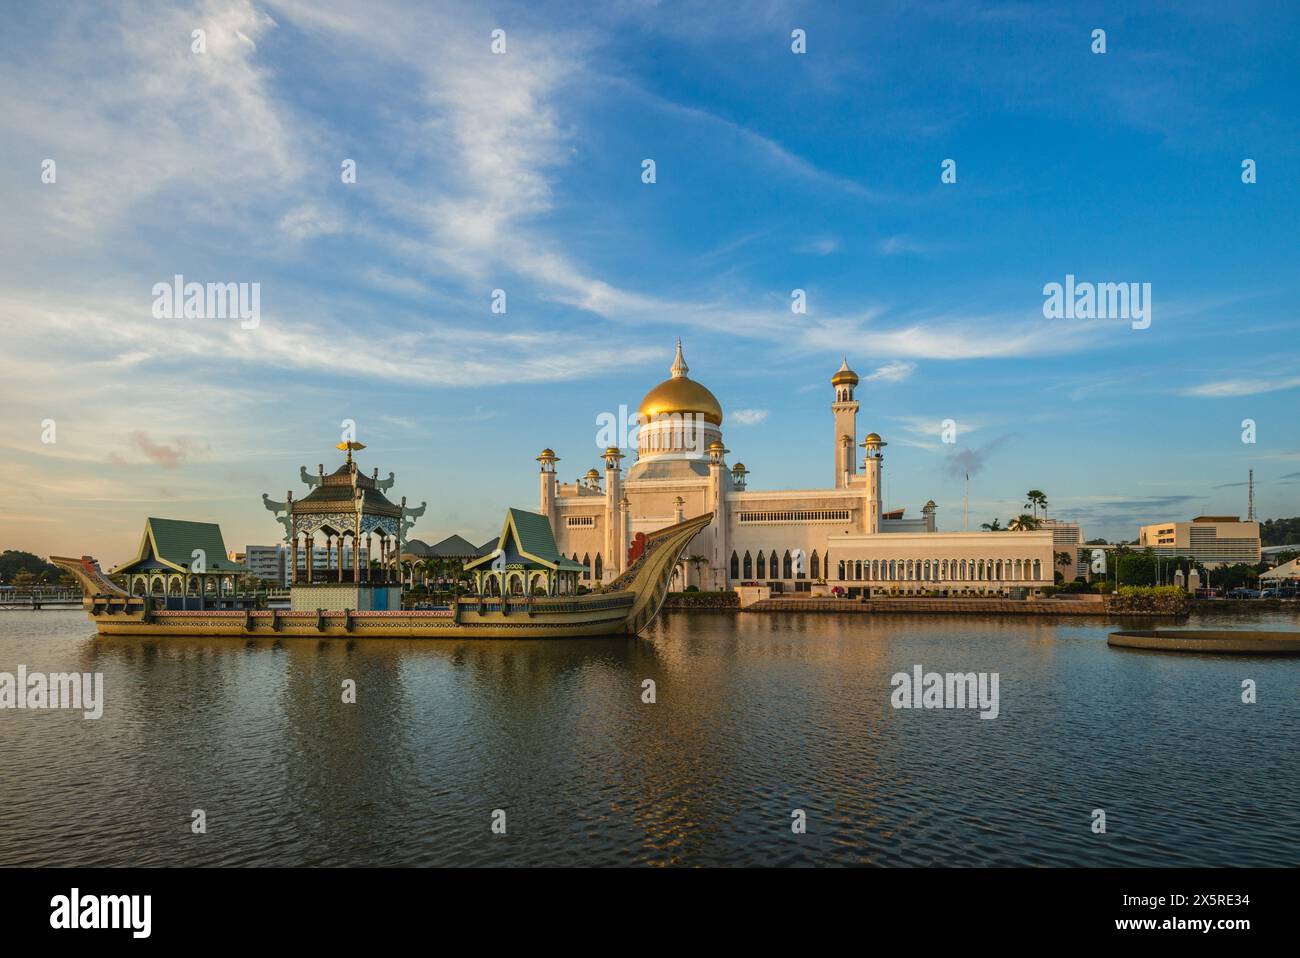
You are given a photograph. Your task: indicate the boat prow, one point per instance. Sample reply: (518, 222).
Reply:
(623, 607)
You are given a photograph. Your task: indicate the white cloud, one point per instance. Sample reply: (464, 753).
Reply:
(822, 246)
(1242, 387)
(892, 372)
(746, 417)
(896, 245)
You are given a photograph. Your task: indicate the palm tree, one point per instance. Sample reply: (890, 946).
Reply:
(994, 526)
(1023, 523)
(1036, 499)
(427, 570)
(697, 561)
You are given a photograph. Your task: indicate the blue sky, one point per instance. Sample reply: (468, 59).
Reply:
(522, 171)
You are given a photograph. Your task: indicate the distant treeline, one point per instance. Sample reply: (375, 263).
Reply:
(1279, 532)
(13, 562)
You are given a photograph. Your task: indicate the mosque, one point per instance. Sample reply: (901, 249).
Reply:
(787, 540)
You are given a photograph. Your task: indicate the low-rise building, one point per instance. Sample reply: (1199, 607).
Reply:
(1067, 538)
(1211, 540)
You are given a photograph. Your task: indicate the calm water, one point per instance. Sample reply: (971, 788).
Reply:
(756, 715)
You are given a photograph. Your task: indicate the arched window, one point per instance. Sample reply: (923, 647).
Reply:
(926, 572)
(1038, 568)
(735, 566)
(600, 565)
(773, 565)
(749, 566)
(814, 566)
(787, 567)
(762, 566)
(586, 566)
(857, 569)
(841, 570)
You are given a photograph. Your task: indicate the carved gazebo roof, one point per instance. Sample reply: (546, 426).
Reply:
(337, 492)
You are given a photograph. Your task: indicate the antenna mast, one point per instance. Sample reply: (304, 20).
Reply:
(1250, 504)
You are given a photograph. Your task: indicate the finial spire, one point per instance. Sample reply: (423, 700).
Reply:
(679, 368)
(349, 446)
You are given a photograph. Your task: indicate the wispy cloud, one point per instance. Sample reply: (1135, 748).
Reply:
(1228, 388)
(747, 417)
(893, 372)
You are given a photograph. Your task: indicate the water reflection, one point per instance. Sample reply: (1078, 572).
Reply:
(756, 715)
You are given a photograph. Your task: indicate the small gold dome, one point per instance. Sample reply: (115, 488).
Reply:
(873, 437)
(681, 396)
(547, 453)
(739, 467)
(844, 375)
(717, 446)
(592, 474)
(613, 451)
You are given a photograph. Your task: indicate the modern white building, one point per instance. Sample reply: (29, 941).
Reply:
(785, 539)
(267, 562)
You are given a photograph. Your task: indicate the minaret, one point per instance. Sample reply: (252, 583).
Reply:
(615, 544)
(845, 408)
(546, 505)
(871, 466)
(718, 563)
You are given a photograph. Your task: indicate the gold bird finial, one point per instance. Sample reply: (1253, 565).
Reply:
(349, 446)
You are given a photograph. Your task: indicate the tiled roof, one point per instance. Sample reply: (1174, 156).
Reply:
(176, 541)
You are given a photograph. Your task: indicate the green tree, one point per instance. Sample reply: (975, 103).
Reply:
(1279, 532)
(1023, 523)
(994, 526)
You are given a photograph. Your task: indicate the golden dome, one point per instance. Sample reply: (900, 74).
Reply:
(548, 453)
(614, 451)
(739, 467)
(873, 437)
(844, 375)
(592, 474)
(681, 396)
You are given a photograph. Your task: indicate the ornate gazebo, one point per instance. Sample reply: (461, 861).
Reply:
(363, 534)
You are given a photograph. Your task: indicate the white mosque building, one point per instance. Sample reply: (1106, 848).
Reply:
(788, 540)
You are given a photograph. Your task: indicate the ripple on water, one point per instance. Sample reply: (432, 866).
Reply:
(756, 715)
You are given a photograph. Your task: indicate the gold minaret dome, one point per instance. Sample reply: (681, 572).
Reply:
(844, 375)
(873, 437)
(681, 395)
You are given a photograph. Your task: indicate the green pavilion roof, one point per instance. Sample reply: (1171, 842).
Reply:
(171, 543)
(533, 539)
